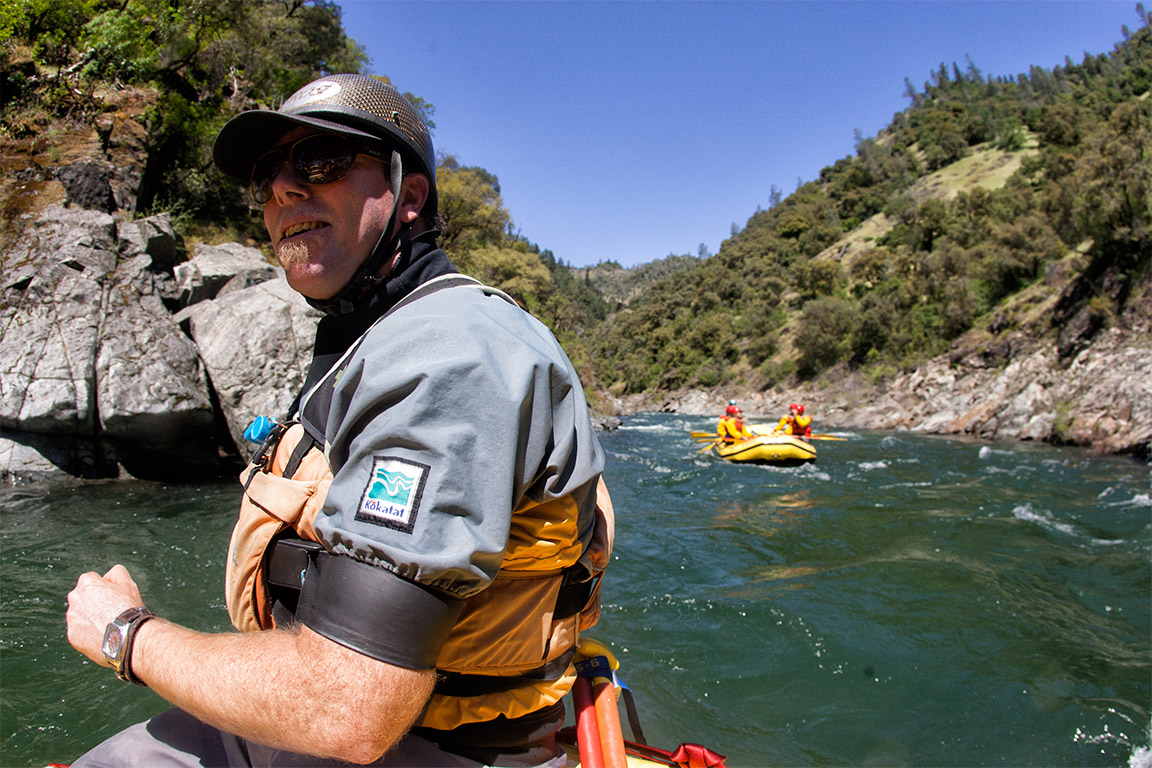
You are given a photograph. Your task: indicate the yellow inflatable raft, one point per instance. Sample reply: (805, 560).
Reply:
(783, 450)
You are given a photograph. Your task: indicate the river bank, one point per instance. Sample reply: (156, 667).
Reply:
(1016, 389)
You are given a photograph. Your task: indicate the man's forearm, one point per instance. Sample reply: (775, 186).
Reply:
(293, 690)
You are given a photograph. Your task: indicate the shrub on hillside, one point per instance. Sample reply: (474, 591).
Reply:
(824, 333)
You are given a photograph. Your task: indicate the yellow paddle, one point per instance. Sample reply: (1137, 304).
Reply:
(802, 437)
(699, 436)
(771, 431)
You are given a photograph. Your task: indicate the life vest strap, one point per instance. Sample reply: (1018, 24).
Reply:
(486, 741)
(298, 453)
(292, 571)
(575, 590)
(463, 684)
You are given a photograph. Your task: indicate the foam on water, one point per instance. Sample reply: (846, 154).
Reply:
(1043, 518)
(663, 428)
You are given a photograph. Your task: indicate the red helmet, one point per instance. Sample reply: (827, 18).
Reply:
(731, 410)
(796, 407)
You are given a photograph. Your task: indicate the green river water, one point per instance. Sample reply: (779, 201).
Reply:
(904, 600)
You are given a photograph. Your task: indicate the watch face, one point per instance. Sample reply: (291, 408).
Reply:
(113, 639)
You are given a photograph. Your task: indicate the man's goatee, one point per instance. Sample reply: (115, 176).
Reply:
(291, 254)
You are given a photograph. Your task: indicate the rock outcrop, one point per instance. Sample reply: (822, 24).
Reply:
(256, 343)
(98, 378)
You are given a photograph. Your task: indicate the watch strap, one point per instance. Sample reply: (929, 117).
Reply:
(134, 618)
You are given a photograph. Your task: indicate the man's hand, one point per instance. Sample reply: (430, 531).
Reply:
(95, 602)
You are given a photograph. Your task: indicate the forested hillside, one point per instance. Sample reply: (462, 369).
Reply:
(985, 189)
(886, 259)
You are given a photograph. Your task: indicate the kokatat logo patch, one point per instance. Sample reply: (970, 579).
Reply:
(392, 496)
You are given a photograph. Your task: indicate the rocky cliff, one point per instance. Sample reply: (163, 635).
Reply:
(116, 360)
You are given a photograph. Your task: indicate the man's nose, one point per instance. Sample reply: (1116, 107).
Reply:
(287, 184)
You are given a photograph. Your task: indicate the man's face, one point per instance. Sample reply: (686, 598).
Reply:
(322, 233)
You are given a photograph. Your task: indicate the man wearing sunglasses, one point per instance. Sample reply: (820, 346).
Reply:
(421, 538)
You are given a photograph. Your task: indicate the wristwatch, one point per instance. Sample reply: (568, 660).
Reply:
(118, 639)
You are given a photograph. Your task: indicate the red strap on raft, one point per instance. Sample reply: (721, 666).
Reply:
(684, 756)
(696, 756)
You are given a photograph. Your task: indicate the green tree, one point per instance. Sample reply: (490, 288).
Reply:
(819, 278)
(202, 57)
(1112, 180)
(514, 270)
(472, 210)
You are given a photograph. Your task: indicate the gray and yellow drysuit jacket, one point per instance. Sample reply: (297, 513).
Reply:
(437, 504)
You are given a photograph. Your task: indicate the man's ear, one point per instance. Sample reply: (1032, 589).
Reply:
(413, 195)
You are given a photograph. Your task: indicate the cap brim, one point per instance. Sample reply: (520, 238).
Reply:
(248, 135)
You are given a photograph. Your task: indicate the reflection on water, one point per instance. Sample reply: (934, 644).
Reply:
(903, 600)
(794, 501)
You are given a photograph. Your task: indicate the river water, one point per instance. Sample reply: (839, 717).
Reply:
(904, 600)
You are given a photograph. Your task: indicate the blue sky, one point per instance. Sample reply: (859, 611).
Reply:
(629, 131)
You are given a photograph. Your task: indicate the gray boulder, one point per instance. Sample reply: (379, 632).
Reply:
(51, 316)
(154, 236)
(91, 361)
(150, 379)
(256, 344)
(214, 266)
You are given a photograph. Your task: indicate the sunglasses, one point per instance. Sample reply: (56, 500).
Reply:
(322, 158)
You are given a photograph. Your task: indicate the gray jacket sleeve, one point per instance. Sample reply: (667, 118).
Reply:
(454, 407)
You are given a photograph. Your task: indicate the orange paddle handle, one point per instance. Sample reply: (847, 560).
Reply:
(608, 718)
(587, 730)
